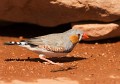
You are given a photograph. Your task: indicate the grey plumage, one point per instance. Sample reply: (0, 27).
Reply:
(59, 40)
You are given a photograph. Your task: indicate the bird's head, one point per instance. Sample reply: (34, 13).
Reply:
(75, 35)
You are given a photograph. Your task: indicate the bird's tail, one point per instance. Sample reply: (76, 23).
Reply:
(16, 43)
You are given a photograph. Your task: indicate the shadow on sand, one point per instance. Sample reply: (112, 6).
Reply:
(55, 59)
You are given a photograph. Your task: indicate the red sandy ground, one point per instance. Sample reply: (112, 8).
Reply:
(102, 63)
(93, 63)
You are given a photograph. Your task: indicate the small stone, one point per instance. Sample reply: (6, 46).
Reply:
(110, 60)
(92, 47)
(103, 54)
(23, 69)
(72, 73)
(32, 72)
(96, 43)
(94, 58)
(87, 79)
(91, 75)
(114, 76)
(21, 37)
(85, 53)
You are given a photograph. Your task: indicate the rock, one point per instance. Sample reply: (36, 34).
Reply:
(98, 31)
(56, 12)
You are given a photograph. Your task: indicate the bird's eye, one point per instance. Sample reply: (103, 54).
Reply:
(78, 35)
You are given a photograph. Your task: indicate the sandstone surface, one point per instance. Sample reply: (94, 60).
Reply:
(55, 12)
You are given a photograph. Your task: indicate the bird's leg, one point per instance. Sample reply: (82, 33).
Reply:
(42, 56)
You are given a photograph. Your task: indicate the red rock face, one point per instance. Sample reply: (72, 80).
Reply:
(97, 31)
(52, 13)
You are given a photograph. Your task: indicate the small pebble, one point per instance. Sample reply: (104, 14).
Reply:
(86, 53)
(23, 69)
(87, 79)
(96, 43)
(103, 54)
(92, 47)
(21, 37)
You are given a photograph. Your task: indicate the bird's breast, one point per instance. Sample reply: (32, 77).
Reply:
(50, 54)
(45, 52)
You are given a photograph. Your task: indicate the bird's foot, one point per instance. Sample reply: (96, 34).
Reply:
(53, 63)
(59, 64)
(46, 63)
(42, 56)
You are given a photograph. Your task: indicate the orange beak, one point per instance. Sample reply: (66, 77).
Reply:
(85, 36)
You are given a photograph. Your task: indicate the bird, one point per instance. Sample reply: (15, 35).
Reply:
(53, 45)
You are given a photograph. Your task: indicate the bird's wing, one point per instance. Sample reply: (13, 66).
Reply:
(52, 42)
(52, 39)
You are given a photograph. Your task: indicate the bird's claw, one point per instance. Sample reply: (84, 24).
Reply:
(48, 63)
(59, 64)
